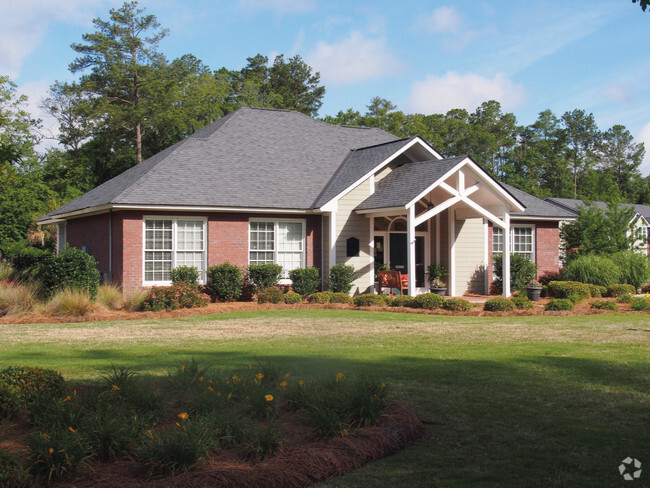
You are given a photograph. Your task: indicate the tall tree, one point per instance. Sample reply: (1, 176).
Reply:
(123, 59)
(583, 137)
(17, 129)
(620, 157)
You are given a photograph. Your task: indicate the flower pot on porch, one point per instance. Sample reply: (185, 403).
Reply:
(438, 291)
(534, 292)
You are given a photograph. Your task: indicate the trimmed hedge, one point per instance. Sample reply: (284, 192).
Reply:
(369, 300)
(180, 295)
(292, 297)
(185, 274)
(320, 297)
(341, 278)
(305, 280)
(555, 304)
(597, 291)
(270, 295)
(20, 385)
(429, 301)
(618, 290)
(340, 297)
(264, 276)
(401, 301)
(71, 268)
(571, 290)
(522, 303)
(498, 305)
(225, 282)
(456, 305)
(604, 305)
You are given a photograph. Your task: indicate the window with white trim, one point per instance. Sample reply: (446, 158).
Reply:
(169, 243)
(497, 240)
(281, 242)
(522, 240)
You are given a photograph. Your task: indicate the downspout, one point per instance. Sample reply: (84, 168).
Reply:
(110, 244)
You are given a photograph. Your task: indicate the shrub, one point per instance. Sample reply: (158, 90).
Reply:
(522, 303)
(522, 270)
(593, 269)
(634, 268)
(625, 298)
(340, 297)
(604, 305)
(110, 296)
(185, 274)
(369, 300)
(555, 304)
(597, 291)
(58, 453)
(305, 280)
(270, 295)
(25, 258)
(645, 289)
(320, 297)
(429, 301)
(619, 290)
(70, 302)
(402, 301)
(341, 278)
(16, 299)
(292, 297)
(13, 471)
(498, 305)
(71, 268)
(224, 282)
(180, 295)
(20, 385)
(456, 305)
(264, 275)
(572, 290)
(639, 303)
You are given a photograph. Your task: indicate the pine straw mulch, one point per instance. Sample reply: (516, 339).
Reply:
(102, 314)
(304, 462)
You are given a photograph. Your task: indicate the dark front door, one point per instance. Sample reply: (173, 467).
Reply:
(399, 256)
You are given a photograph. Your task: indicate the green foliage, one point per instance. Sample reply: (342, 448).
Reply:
(572, 290)
(180, 295)
(321, 297)
(639, 304)
(401, 301)
(13, 472)
(456, 305)
(436, 272)
(263, 441)
(556, 304)
(597, 291)
(292, 297)
(369, 300)
(340, 297)
(341, 278)
(71, 268)
(25, 257)
(522, 271)
(522, 303)
(21, 385)
(305, 280)
(498, 305)
(619, 290)
(57, 453)
(270, 295)
(264, 275)
(224, 282)
(625, 298)
(635, 267)
(593, 269)
(429, 301)
(185, 274)
(605, 305)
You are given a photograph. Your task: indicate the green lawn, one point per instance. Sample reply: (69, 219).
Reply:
(522, 401)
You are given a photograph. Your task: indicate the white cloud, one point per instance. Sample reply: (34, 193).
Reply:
(443, 20)
(644, 136)
(449, 24)
(280, 6)
(36, 91)
(354, 59)
(616, 92)
(439, 94)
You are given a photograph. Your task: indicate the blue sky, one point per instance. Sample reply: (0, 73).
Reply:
(425, 57)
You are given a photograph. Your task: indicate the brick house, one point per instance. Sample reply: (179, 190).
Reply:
(263, 185)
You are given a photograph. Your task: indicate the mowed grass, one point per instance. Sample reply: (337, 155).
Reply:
(518, 401)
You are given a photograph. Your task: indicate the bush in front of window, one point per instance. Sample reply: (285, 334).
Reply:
(593, 269)
(341, 278)
(71, 268)
(270, 295)
(264, 275)
(180, 295)
(522, 270)
(185, 274)
(225, 282)
(571, 290)
(305, 280)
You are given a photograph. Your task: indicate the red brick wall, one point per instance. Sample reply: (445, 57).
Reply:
(227, 240)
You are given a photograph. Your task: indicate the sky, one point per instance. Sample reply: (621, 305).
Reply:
(424, 56)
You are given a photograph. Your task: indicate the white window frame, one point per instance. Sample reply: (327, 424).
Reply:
(175, 219)
(533, 253)
(302, 222)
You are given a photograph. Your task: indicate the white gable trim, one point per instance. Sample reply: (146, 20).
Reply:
(327, 207)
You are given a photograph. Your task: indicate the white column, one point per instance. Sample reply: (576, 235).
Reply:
(333, 238)
(371, 244)
(451, 286)
(438, 239)
(506, 255)
(486, 256)
(410, 241)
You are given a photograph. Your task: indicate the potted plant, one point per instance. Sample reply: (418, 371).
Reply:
(436, 272)
(533, 290)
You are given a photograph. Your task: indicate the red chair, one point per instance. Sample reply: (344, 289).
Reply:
(393, 280)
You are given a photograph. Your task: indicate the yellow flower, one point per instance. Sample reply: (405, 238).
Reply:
(259, 376)
(115, 387)
(210, 381)
(210, 388)
(383, 385)
(339, 376)
(200, 378)
(71, 430)
(182, 367)
(66, 399)
(50, 450)
(45, 436)
(287, 375)
(301, 382)
(149, 433)
(229, 396)
(268, 398)
(183, 415)
(284, 384)
(177, 424)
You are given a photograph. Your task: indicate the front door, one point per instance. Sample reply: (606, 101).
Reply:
(399, 256)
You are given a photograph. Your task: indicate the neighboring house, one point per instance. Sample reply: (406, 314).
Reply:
(278, 186)
(640, 222)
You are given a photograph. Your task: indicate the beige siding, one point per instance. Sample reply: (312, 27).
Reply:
(470, 256)
(349, 224)
(444, 239)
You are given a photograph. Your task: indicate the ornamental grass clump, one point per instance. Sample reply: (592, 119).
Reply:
(593, 269)
(110, 296)
(16, 298)
(70, 302)
(498, 305)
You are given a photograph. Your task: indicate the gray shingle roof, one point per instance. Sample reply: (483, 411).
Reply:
(573, 204)
(254, 158)
(405, 183)
(536, 207)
